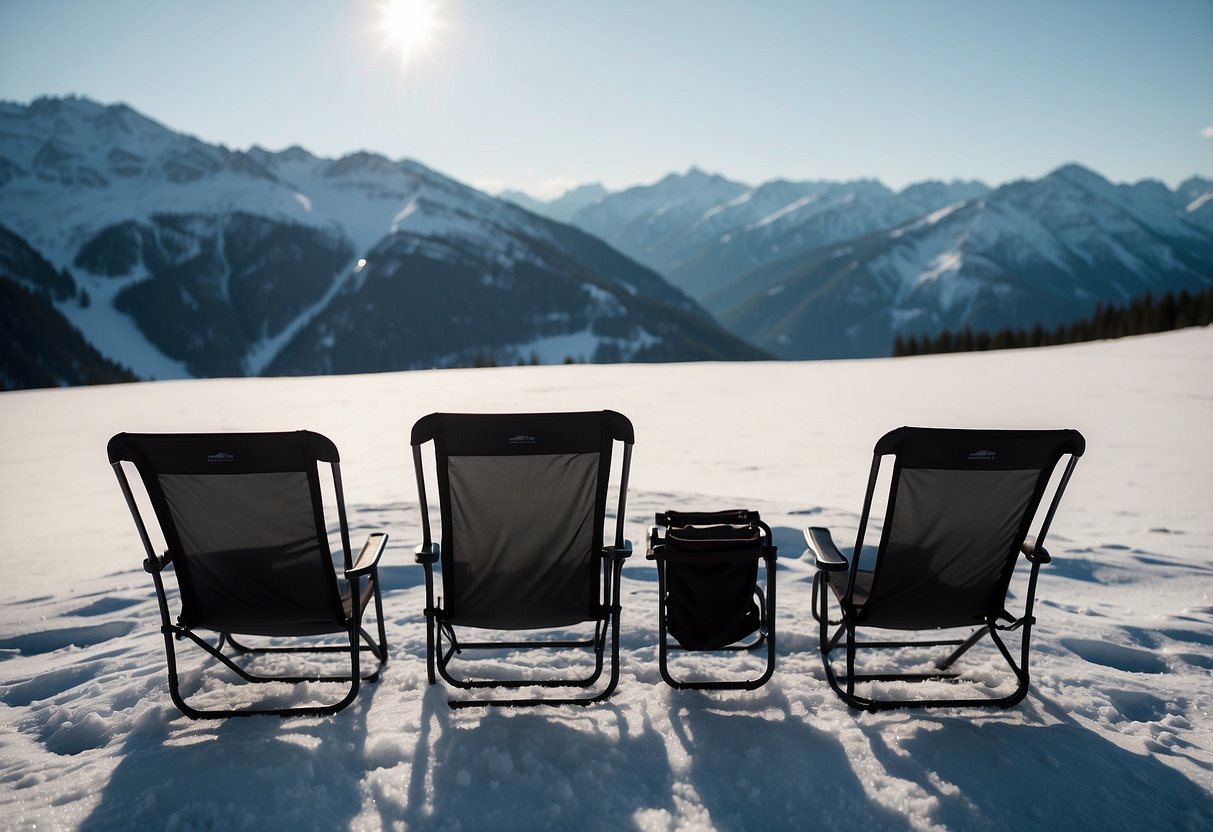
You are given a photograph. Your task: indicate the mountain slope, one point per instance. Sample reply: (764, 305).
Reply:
(430, 302)
(39, 347)
(1045, 251)
(18, 258)
(205, 261)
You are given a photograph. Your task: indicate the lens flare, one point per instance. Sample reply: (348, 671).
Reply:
(410, 26)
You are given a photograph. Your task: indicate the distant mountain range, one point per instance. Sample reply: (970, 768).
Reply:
(175, 258)
(142, 252)
(839, 269)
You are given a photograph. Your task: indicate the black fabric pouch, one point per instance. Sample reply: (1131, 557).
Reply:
(711, 573)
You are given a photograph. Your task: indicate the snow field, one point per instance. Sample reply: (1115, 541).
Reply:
(1115, 733)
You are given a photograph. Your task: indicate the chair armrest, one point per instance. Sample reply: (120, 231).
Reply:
(368, 559)
(1034, 553)
(825, 553)
(427, 553)
(617, 553)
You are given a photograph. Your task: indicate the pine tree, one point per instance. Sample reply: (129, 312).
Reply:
(1037, 338)
(965, 342)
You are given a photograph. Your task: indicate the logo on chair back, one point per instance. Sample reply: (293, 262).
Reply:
(221, 456)
(982, 456)
(521, 439)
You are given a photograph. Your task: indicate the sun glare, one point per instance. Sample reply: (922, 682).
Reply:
(410, 26)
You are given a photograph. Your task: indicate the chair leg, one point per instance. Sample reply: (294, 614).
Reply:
(381, 653)
(356, 634)
(766, 635)
(848, 695)
(353, 679)
(377, 649)
(431, 641)
(609, 625)
(663, 635)
(850, 630)
(601, 663)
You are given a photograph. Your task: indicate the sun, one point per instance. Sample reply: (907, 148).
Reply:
(410, 26)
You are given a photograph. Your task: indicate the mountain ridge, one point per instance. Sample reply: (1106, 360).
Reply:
(201, 260)
(1046, 248)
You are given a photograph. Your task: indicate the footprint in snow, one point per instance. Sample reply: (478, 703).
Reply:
(1128, 659)
(103, 606)
(1138, 706)
(47, 641)
(48, 684)
(1201, 660)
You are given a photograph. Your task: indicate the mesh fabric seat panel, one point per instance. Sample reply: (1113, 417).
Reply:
(521, 541)
(249, 557)
(944, 560)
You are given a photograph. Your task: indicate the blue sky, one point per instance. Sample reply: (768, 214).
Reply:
(541, 94)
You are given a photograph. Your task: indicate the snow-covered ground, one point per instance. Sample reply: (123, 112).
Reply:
(1115, 734)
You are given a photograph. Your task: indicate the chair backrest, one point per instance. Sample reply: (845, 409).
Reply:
(242, 516)
(961, 503)
(523, 505)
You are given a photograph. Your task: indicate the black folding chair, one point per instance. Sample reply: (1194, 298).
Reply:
(709, 595)
(961, 505)
(523, 505)
(243, 520)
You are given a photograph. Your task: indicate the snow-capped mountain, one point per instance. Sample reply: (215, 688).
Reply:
(1030, 252)
(703, 231)
(70, 167)
(648, 223)
(830, 269)
(198, 260)
(179, 258)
